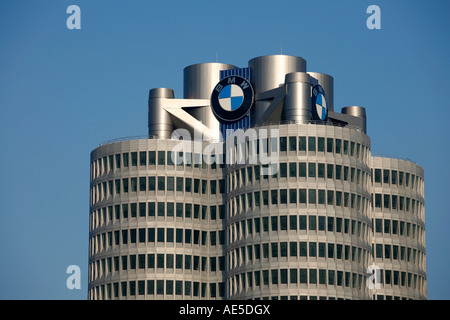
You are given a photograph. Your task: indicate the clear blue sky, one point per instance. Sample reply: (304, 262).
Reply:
(62, 92)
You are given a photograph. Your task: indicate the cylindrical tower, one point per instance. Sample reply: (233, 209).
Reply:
(199, 82)
(156, 226)
(398, 217)
(357, 111)
(327, 83)
(304, 232)
(297, 104)
(160, 123)
(269, 72)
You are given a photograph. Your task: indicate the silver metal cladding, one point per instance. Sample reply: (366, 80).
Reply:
(269, 72)
(356, 111)
(297, 104)
(159, 120)
(199, 81)
(327, 83)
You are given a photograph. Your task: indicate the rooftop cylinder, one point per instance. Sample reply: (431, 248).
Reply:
(199, 82)
(297, 104)
(269, 72)
(327, 83)
(159, 120)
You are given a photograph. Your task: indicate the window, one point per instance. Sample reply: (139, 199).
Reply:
(302, 222)
(386, 176)
(293, 249)
(377, 200)
(151, 183)
(312, 222)
(118, 161)
(346, 147)
(180, 184)
(293, 169)
(302, 169)
(312, 276)
(161, 158)
(283, 144)
(394, 177)
(311, 170)
(378, 225)
(161, 183)
(311, 196)
(283, 170)
(303, 249)
(292, 144)
(143, 158)
(320, 170)
(292, 195)
(321, 144)
(134, 159)
(321, 196)
(161, 209)
(321, 223)
(330, 145)
(301, 143)
(274, 223)
(329, 171)
(311, 143)
(338, 146)
(274, 196)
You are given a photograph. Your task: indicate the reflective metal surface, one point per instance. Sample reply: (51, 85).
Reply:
(357, 111)
(327, 83)
(199, 82)
(297, 104)
(159, 121)
(268, 72)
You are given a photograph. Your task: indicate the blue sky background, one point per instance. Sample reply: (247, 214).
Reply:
(62, 92)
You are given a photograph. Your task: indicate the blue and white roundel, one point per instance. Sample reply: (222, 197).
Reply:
(321, 106)
(231, 97)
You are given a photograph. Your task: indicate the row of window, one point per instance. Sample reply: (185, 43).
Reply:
(151, 158)
(130, 289)
(312, 145)
(401, 228)
(111, 188)
(399, 253)
(312, 249)
(156, 262)
(250, 280)
(321, 144)
(399, 278)
(254, 226)
(155, 235)
(252, 174)
(293, 277)
(128, 211)
(397, 203)
(395, 177)
(254, 200)
(283, 144)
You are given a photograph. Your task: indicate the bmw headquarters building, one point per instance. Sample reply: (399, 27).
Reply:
(254, 187)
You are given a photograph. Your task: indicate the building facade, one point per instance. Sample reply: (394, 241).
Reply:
(279, 198)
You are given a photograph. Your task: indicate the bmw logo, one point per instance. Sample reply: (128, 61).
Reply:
(231, 99)
(319, 103)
